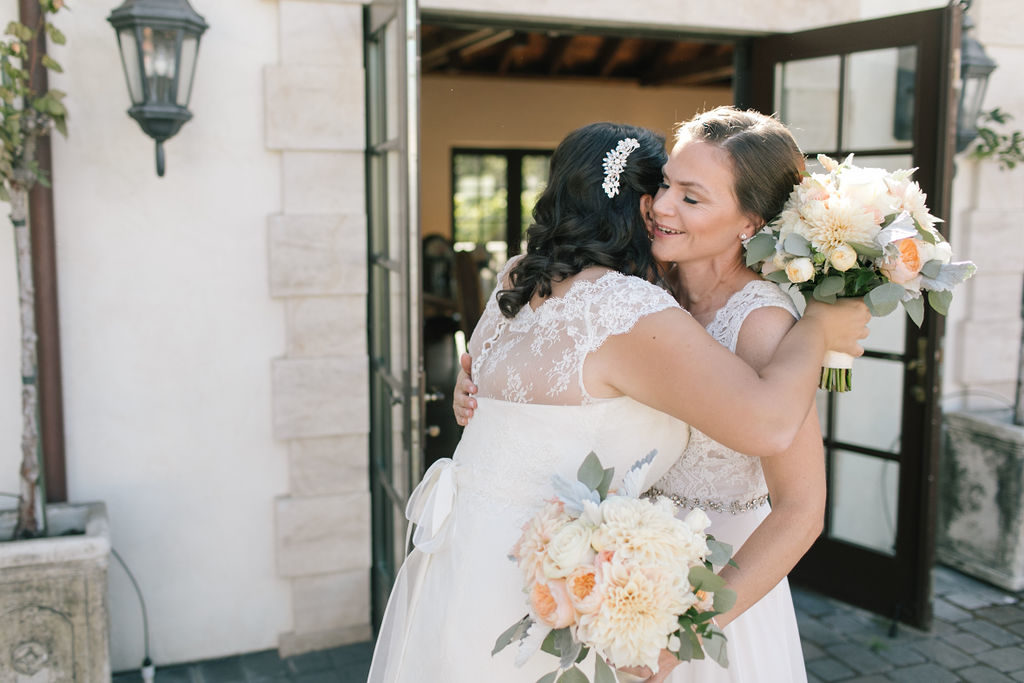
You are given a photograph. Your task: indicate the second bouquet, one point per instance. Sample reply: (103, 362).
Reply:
(617, 574)
(852, 232)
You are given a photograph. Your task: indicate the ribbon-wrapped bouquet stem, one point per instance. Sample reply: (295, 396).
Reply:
(859, 232)
(617, 574)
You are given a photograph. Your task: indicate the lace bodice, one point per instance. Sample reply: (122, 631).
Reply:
(538, 356)
(710, 475)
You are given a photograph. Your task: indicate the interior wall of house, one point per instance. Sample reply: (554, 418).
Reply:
(527, 113)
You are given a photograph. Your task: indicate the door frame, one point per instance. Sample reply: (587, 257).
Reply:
(838, 569)
(393, 281)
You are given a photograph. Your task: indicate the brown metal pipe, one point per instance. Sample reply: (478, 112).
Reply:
(44, 272)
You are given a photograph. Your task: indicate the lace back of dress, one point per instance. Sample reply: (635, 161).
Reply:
(538, 356)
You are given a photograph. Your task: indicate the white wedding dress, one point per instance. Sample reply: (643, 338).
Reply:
(763, 643)
(458, 590)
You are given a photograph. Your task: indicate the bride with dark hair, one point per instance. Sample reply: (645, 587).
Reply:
(577, 352)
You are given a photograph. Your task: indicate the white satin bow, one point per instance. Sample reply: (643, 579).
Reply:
(431, 507)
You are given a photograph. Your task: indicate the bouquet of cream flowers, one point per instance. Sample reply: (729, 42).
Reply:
(852, 232)
(617, 574)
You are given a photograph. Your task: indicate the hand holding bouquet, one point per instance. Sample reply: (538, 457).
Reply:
(852, 232)
(619, 575)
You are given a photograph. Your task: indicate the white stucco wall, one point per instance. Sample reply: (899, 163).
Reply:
(167, 335)
(984, 327)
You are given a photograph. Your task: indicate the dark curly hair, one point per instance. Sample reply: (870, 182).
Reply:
(766, 159)
(575, 223)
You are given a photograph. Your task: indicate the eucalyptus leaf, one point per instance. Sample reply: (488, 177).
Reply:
(760, 247)
(704, 579)
(590, 472)
(689, 646)
(927, 235)
(915, 309)
(602, 672)
(606, 482)
(882, 300)
(777, 276)
(549, 645)
(829, 286)
(940, 301)
(573, 675)
(514, 632)
(714, 646)
(548, 678)
(725, 599)
(797, 245)
(720, 552)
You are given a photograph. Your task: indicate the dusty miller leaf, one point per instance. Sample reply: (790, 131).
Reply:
(514, 632)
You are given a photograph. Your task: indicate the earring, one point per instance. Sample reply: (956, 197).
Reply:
(743, 236)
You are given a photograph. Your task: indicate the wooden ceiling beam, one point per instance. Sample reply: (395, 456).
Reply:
(706, 69)
(558, 47)
(606, 56)
(439, 55)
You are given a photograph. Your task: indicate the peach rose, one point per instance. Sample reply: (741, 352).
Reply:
(551, 605)
(906, 265)
(584, 590)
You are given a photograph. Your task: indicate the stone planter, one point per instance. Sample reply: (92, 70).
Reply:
(981, 498)
(54, 623)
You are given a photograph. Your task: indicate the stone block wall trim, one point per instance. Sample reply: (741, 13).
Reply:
(324, 182)
(331, 602)
(320, 397)
(323, 535)
(291, 644)
(314, 113)
(321, 33)
(314, 255)
(314, 108)
(327, 466)
(326, 326)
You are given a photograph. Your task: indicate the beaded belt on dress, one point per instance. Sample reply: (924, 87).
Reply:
(735, 507)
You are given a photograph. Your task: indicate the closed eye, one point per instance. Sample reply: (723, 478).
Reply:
(662, 186)
(689, 200)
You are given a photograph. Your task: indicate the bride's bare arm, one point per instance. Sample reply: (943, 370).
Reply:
(669, 362)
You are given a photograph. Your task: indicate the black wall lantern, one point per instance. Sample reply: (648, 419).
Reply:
(159, 42)
(975, 68)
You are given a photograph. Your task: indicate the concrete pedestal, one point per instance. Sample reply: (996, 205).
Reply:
(981, 498)
(54, 620)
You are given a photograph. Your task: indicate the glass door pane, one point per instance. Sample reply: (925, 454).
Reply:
(394, 309)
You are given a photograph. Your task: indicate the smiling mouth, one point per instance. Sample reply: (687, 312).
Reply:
(665, 231)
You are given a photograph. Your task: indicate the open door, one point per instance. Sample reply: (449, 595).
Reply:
(884, 90)
(394, 315)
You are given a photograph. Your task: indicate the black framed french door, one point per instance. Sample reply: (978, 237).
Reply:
(883, 90)
(394, 294)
